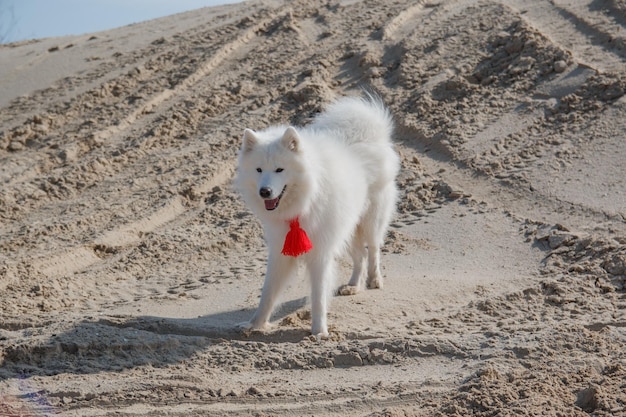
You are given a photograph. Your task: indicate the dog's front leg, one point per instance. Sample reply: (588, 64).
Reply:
(279, 269)
(322, 270)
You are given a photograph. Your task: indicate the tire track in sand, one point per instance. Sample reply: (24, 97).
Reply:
(219, 56)
(585, 41)
(79, 258)
(394, 28)
(403, 25)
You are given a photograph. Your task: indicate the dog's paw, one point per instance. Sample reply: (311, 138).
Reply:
(250, 326)
(318, 337)
(244, 325)
(348, 290)
(319, 331)
(375, 282)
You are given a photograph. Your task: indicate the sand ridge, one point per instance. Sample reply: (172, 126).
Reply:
(126, 258)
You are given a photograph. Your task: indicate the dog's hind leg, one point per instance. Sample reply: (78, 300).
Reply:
(374, 276)
(358, 252)
(279, 269)
(375, 226)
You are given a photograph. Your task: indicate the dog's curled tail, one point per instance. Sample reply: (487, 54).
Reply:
(358, 119)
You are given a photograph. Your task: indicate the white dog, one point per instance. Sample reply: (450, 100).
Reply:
(318, 191)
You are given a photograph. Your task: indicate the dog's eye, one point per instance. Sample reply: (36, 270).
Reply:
(259, 170)
(279, 170)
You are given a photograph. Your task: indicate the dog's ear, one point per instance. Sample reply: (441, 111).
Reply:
(291, 139)
(249, 140)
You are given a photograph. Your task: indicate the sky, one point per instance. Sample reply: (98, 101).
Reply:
(31, 19)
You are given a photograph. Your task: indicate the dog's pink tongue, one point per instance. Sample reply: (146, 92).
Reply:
(271, 204)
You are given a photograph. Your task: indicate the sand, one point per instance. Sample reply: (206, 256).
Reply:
(126, 258)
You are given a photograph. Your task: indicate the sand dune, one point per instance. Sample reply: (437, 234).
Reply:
(126, 258)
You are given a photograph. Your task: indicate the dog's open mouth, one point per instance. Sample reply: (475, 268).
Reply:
(271, 204)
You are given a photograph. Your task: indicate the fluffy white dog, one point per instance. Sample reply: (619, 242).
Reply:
(318, 191)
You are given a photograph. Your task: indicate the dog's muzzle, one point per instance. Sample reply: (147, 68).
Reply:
(270, 203)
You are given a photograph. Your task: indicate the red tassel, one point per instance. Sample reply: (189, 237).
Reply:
(296, 241)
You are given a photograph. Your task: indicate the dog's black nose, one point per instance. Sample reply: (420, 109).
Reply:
(265, 192)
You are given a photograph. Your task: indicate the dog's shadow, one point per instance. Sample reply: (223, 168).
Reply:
(115, 343)
(221, 326)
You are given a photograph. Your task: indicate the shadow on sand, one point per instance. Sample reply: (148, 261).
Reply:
(115, 343)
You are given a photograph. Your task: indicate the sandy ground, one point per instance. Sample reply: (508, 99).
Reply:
(126, 259)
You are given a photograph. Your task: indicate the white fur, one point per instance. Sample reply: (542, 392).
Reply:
(339, 173)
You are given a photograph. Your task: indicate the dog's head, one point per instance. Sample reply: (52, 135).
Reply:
(271, 170)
